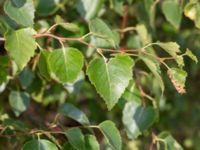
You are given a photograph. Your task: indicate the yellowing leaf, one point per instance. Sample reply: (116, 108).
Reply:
(191, 55)
(178, 77)
(192, 11)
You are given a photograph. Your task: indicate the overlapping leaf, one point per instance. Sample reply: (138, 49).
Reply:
(173, 49)
(137, 119)
(100, 29)
(80, 141)
(21, 11)
(40, 144)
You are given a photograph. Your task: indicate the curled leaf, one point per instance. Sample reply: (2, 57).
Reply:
(178, 77)
(191, 55)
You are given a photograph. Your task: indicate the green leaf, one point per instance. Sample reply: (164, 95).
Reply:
(43, 64)
(81, 142)
(89, 9)
(143, 34)
(65, 64)
(132, 93)
(111, 134)
(4, 61)
(192, 11)
(150, 7)
(68, 146)
(20, 46)
(111, 78)
(137, 119)
(47, 7)
(100, 29)
(191, 55)
(26, 77)
(23, 13)
(40, 144)
(16, 124)
(76, 138)
(72, 112)
(178, 78)
(4, 25)
(69, 26)
(19, 101)
(167, 142)
(172, 11)
(91, 142)
(172, 48)
(18, 3)
(117, 5)
(154, 67)
(103, 43)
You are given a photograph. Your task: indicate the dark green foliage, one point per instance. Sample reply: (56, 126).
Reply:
(99, 74)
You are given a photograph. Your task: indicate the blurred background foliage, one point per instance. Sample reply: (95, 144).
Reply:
(179, 114)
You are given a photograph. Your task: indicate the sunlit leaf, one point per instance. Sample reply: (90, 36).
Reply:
(143, 34)
(191, 55)
(20, 46)
(65, 64)
(173, 49)
(110, 78)
(192, 11)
